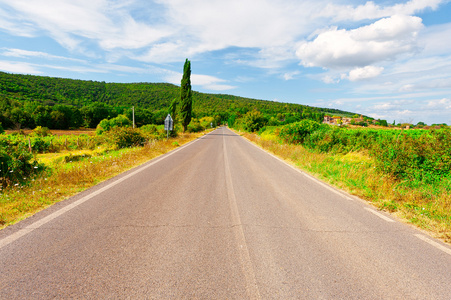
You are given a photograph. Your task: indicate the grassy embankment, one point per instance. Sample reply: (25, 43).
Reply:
(426, 205)
(72, 171)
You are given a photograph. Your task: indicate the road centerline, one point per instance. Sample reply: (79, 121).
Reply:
(246, 263)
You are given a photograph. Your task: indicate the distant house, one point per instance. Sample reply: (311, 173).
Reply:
(335, 120)
(346, 121)
(329, 120)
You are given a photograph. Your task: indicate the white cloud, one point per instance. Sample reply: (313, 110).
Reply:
(18, 67)
(205, 81)
(370, 10)
(363, 73)
(72, 24)
(15, 26)
(440, 104)
(380, 41)
(26, 54)
(290, 75)
(330, 79)
(210, 82)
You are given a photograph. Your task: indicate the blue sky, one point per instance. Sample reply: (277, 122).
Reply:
(386, 59)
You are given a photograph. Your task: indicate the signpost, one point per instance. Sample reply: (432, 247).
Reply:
(168, 125)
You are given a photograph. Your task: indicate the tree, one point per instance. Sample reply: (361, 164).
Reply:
(186, 101)
(253, 121)
(18, 117)
(173, 109)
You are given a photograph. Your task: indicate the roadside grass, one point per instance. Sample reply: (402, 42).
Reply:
(423, 205)
(71, 172)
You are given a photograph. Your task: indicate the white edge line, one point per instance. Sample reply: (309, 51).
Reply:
(379, 214)
(433, 243)
(22, 232)
(303, 173)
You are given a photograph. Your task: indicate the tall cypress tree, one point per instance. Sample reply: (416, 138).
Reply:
(186, 102)
(173, 109)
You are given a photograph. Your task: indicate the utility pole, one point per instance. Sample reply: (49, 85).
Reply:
(133, 109)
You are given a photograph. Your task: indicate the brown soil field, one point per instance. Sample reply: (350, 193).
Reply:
(87, 131)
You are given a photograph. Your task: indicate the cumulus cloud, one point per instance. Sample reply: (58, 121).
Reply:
(364, 46)
(363, 73)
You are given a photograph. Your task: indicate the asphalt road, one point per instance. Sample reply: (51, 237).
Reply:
(219, 219)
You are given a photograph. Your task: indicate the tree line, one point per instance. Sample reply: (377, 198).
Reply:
(27, 101)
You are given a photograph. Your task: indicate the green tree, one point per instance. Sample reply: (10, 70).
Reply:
(94, 113)
(173, 109)
(186, 101)
(41, 116)
(19, 117)
(253, 121)
(108, 124)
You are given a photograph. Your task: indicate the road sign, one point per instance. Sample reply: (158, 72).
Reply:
(168, 123)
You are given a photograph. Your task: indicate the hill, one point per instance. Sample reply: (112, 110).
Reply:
(40, 95)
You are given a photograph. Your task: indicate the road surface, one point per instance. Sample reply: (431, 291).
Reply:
(219, 219)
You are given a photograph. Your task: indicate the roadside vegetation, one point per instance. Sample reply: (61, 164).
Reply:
(58, 167)
(405, 172)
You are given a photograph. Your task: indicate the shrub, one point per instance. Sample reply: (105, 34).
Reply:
(124, 137)
(157, 132)
(17, 165)
(295, 133)
(253, 121)
(195, 126)
(41, 131)
(39, 144)
(108, 124)
(417, 158)
(149, 128)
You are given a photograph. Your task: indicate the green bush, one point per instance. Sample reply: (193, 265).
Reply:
(253, 121)
(108, 124)
(195, 126)
(17, 165)
(41, 131)
(424, 158)
(124, 137)
(295, 133)
(413, 155)
(40, 145)
(152, 131)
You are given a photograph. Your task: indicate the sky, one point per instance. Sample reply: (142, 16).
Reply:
(384, 59)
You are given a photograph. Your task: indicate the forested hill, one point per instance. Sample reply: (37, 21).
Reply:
(30, 92)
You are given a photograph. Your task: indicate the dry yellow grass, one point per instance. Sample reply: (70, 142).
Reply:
(67, 179)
